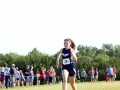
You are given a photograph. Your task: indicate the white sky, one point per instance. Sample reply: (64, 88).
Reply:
(44, 24)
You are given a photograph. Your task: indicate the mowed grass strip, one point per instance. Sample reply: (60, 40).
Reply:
(80, 86)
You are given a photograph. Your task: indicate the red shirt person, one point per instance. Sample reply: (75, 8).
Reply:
(92, 72)
(42, 75)
(106, 75)
(50, 74)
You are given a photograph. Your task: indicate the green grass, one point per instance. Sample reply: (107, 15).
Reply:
(80, 86)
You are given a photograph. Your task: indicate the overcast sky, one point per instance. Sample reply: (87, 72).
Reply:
(44, 24)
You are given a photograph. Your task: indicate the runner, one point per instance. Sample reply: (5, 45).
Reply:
(68, 65)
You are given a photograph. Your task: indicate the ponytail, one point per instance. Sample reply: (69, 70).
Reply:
(72, 43)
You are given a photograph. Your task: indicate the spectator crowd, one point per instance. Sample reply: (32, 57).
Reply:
(13, 77)
(109, 74)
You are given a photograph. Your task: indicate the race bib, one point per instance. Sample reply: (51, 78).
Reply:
(66, 61)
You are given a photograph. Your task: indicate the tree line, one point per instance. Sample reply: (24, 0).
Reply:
(88, 57)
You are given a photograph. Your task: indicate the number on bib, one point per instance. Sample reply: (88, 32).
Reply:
(66, 61)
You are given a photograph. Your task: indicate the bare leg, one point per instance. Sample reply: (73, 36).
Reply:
(18, 83)
(91, 79)
(2, 84)
(13, 85)
(27, 83)
(22, 83)
(72, 82)
(38, 82)
(65, 76)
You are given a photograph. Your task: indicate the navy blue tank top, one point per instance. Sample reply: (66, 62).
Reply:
(66, 58)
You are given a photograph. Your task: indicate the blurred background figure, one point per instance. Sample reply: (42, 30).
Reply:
(50, 75)
(96, 75)
(83, 75)
(17, 76)
(38, 78)
(22, 78)
(12, 75)
(92, 72)
(54, 77)
(47, 76)
(2, 77)
(26, 73)
(78, 76)
(106, 75)
(7, 75)
(42, 76)
(31, 76)
(110, 72)
(114, 72)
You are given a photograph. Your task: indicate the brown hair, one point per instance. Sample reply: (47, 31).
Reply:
(72, 43)
(5, 64)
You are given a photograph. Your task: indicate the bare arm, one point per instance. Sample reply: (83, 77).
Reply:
(73, 55)
(58, 57)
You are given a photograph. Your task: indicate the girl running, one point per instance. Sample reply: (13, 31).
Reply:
(68, 63)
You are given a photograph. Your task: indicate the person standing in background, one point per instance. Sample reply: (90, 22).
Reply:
(42, 76)
(50, 75)
(106, 75)
(6, 70)
(83, 75)
(38, 78)
(54, 77)
(26, 73)
(78, 76)
(17, 76)
(31, 76)
(96, 75)
(9, 81)
(47, 76)
(92, 72)
(2, 79)
(110, 72)
(114, 72)
(12, 75)
(22, 78)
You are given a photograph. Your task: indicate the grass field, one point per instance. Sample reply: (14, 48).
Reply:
(80, 86)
